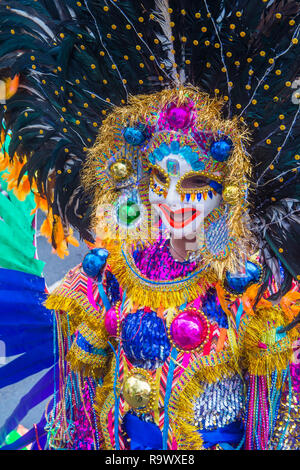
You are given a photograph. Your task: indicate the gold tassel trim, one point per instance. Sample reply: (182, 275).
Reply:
(260, 353)
(89, 365)
(163, 294)
(181, 406)
(103, 402)
(78, 308)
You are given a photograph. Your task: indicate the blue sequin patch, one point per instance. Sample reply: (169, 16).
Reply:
(197, 162)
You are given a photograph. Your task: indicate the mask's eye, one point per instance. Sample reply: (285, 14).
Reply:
(194, 182)
(160, 176)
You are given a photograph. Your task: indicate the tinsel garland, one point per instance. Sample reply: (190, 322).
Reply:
(147, 293)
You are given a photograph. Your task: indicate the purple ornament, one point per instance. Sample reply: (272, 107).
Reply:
(179, 117)
(189, 330)
(111, 322)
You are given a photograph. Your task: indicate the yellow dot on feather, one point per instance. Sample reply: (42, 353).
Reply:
(77, 122)
(195, 42)
(230, 84)
(281, 180)
(275, 98)
(282, 127)
(254, 102)
(64, 109)
(113, 26)
(268, 141)
(248, 87)
(229, 54)
(288, 83)
(183, 39)
(238, 106)
(20, 137)
(95, 124)
(152, 57)
(242, 34)
(204, 29)
(156, 41)
(279, 149)
(102, 53)
(197, 15)
(237, 63)
(104, 82)
(12, 31)
(82, 47)
(108, 35)
(160, 78)
(208, 65)
(62, 35)
(85, 105)
(217, 45)
(113, 66)
(172, 24)
(124, 81)
(142, 65)
(238, 14)
(295, 41)
(183, 12)
(188, 62)
(297, 157)
(77, 81)
(226, 98)
(141, 19)
(207, 43)
(255, 124)
(103, 111)
(105, 8)
(273, 199)
(32, 57)
(141, 82)
(59, 172)
(249, 59)
(151, 16)
(278, 15)
(271, 167)
(217, 91)
(223, 69)
(291, 22)
(93, 66)
(281, 116)
(126, 57)
(271, 61)
(278, 72)
(33, 66)
(65, 130)
(262, 53)
(266, 87)
(138, 48)
(280, 250)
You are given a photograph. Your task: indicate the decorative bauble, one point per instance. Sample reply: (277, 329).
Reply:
(189, 330)
(120, 170)
(237, 283)
(221, 149)
(94, 261)
(128, 212)
(111, 320)
(179, 117)
(134, 136)
(231, 194)
(137, 390)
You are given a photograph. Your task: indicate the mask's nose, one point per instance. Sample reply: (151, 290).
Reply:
(172, 197)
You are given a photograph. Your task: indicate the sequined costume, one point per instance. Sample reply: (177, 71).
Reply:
(163, 122)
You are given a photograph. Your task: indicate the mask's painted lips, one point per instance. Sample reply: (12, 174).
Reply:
(180, 218)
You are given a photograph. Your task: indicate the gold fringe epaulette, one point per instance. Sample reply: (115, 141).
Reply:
(78, 308)
(155, 294)
(261, 351)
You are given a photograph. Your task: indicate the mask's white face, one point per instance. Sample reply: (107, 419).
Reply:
(179, 203)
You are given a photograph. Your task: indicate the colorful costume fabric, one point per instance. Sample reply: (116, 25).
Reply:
(167, 134)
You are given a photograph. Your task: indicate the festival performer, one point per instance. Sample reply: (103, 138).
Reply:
(167, 134)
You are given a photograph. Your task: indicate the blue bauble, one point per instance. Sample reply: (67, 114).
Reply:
(220, 150)
(238, 284)
(94, 261)
(134, 136)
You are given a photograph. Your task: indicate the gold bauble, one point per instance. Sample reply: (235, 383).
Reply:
(231, 194)
(137, 391)
(120, 170)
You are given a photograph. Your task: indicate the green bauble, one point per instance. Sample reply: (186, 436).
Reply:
(128, 212)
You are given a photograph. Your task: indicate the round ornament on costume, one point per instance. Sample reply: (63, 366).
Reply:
(221, 149)
(128, 212)
(238, 283)
(111, 321)
(231, 194)
(138, 389)
(189, 330)
(94, 261)
(134, 136)
(144, 339)
(120, 170)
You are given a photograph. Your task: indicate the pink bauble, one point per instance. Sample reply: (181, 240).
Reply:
(111, 322)
(188, 330)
